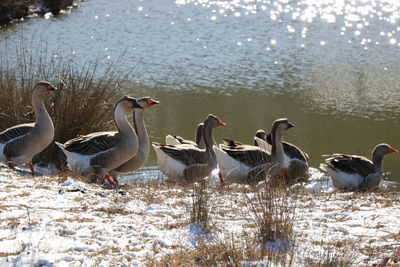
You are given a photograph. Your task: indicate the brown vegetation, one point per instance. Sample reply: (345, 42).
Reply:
(17, 9)
(273, 211)
(199, 213)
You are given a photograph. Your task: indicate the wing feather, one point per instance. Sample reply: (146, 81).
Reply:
(14, 147)
(351, 164)
(92, 143)
(15, 131)
(187, 154)
(247, 154)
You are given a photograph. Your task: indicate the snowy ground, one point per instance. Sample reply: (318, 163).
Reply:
(59, 221)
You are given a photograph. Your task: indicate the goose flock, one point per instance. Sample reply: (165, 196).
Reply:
(101, 156)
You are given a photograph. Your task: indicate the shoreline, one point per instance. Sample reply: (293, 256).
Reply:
(146, 224)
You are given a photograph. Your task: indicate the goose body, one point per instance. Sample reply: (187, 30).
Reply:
(98, 153)
(351, 172)
(251, 164)
(18, 144)
(295, 160)
(189, 163)
(243, 163)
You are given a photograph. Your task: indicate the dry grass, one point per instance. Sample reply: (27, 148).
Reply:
(331, 257)
(77, 219)
(273, 211)
(22, 194)
(216, 253)
(113, 211)
(83, 105)
(200, 210)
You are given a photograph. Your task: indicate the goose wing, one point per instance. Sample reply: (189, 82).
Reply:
(92, 143)
(15, 132)
(100, 160)
(247, 154)
(290, 150)
(294, 152)
(187, 154)
(351, 164)
(14, 147)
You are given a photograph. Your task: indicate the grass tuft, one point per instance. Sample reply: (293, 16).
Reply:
(272, 208)
(200, 211)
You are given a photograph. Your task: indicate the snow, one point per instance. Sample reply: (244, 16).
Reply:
(50, 220)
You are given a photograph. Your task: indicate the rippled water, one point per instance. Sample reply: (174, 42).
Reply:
(331, 67)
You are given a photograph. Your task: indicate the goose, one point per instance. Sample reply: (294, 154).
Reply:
(101, 142)
(295, 160)
(251, 164)
(189, 163)
(95, 155)
(177, 140)
(356, 173)
(18, 144)
(144, 144)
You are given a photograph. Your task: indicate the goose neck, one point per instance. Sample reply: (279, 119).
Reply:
(377, 160)
(122, 123)
(38, 106)
(141, 131)
(277, 147)
(200, 137)
(208, 140)
(43, 123)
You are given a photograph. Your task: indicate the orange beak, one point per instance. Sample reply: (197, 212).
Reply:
(151, 101)
(392, 150)
(221, 123)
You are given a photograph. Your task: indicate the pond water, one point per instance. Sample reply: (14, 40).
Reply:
(331, 67)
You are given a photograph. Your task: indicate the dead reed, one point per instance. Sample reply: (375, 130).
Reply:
(84, 103)
(330, 256)
(200, 210)
(272, 209)
(222, 252)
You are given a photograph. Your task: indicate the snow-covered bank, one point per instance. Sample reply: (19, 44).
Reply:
(53, 221)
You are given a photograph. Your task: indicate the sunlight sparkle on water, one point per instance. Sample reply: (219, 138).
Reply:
(356, 14)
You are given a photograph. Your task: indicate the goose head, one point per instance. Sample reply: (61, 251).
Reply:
(261, 134)
(146, 102)
(213, 121)
(43, 87)
(281, 125)
(128, 103)
(383, 149)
